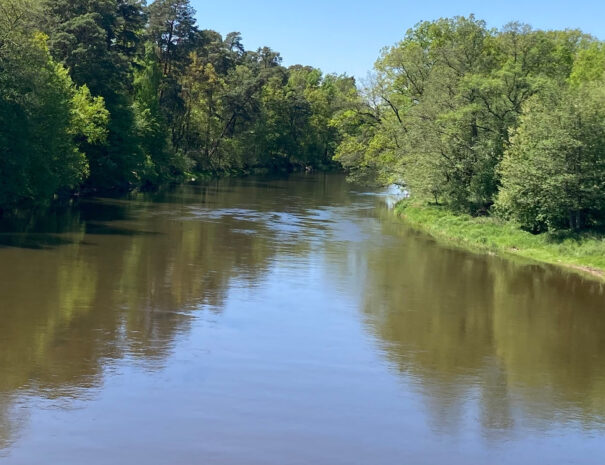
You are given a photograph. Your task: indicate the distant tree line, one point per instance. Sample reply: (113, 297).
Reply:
(508, 122)
(116, 94)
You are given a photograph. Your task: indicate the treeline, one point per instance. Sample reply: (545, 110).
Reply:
(115, 94)
(508, 122)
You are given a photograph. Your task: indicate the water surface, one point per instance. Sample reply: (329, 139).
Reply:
(286, 321)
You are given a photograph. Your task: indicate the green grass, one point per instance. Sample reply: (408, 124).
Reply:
(583, 252)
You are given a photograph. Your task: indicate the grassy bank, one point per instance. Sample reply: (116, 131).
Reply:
(583, 252)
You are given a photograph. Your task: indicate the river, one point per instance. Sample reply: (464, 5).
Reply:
(281, 322)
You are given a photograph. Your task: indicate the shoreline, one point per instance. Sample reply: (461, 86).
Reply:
(67, 199)
(580, 253)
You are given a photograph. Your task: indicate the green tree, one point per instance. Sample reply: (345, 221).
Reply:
(553, 174)
(98, 40)
(45, 118)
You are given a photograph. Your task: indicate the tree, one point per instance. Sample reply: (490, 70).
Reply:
(45, 118)
(172, 28)
(97, 40)
(553, 174)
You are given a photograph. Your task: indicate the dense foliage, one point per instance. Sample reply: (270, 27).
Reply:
(509, 121)
(115, 94)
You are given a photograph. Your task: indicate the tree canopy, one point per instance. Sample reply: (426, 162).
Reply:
(121, 94)
(117, 94)
(483, 120)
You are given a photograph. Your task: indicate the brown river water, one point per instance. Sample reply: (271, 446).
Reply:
(281, 322)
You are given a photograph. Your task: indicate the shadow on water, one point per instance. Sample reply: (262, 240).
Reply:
(47, 230)
(103, 229)
(33, 241)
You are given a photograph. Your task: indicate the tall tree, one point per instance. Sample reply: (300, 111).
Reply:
(553, 173)
(172, 28)
(97, 40)
(173, 31)
(44, 117)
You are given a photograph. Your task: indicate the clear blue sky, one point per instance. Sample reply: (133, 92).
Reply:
(347, 35)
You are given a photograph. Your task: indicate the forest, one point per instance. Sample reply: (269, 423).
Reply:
(99, 95)
(508, 123)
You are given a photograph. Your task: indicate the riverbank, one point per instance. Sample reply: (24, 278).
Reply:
(279, 169)
(581, 252)
(67, 198)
